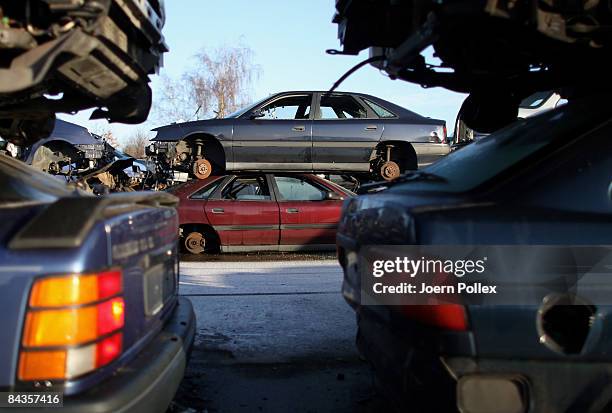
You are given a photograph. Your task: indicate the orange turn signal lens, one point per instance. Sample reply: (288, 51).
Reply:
(63, 291)
(41, 365)
(61, 327)
(75, 289)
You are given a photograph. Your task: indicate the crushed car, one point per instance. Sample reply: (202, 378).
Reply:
(74, 154)
(90, 304)
(70, 55)
(498, 51)
(259, 212)
(306, 132)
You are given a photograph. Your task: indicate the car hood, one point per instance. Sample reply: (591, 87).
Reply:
(175, 131)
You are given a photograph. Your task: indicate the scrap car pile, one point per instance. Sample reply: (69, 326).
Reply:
(89, 284)
(544, 180)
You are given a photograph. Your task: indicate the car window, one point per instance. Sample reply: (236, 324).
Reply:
(298, 189)
(290, 107)
(247, 188)
(206, 192)
(379, 110)
(341, 107)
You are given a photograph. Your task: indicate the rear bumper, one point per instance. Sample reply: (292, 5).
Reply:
(532, 385)
(149, 382)
(413, 374)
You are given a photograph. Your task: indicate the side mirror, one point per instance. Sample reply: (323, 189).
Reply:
(256, 114)
(333, 196)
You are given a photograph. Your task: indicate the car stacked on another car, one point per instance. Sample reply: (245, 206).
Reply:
(90, 295)
(307, 132)
(533, 105)
(259, 212)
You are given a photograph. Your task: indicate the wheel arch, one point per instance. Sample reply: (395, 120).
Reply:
(205, 229)
(217, 155)
(403, 151)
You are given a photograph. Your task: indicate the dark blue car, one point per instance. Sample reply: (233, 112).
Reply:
(541, 183)
(88, 294)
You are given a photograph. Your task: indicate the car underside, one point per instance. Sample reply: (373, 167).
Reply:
(530, 46)
(70, 55)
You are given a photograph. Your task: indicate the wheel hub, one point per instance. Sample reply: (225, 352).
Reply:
(202, 169)
(390, 171)
(195, 243)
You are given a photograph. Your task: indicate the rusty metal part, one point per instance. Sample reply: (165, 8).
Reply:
(195, 243)
(202, 169)
(11, 38)
(390, 171)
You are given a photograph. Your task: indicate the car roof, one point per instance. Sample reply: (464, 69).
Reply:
(397, 109)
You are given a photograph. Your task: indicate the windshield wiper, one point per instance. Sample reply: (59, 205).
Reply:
(412, 176)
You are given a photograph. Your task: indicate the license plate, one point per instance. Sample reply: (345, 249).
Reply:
(159, 287)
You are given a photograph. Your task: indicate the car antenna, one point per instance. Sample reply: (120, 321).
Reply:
(354, 69)
(195, 115)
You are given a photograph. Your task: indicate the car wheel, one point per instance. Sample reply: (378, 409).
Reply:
(202, 169)
(195, 243)
(390, 171)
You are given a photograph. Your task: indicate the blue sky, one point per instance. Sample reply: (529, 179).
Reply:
(289, 40)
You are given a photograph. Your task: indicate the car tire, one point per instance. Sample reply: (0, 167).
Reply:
(195, 243)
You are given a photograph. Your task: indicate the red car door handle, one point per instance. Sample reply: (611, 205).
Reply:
(292, 210)
(218, 210)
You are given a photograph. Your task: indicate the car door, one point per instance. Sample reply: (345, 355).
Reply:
(244, 213)
(344, 133)
(307, 216)
(275, 136)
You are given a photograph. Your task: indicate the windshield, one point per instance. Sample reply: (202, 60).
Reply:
(487, 158)
(246, 109)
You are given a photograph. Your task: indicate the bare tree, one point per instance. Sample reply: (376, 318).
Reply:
(135, 145)
(110, 139)
(106, 134)
(219, 84)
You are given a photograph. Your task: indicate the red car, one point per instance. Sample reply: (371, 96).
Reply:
(259, 212)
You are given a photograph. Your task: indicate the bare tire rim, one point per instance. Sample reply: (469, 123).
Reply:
(195, 243)
(390, 171)
(202, 169)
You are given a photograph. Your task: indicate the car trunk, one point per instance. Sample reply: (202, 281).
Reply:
(143, 244)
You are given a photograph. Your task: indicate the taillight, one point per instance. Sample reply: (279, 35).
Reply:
(444, 316)
(73, 326)
(444, 134)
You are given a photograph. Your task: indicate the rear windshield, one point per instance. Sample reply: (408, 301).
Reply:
(488, 157)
